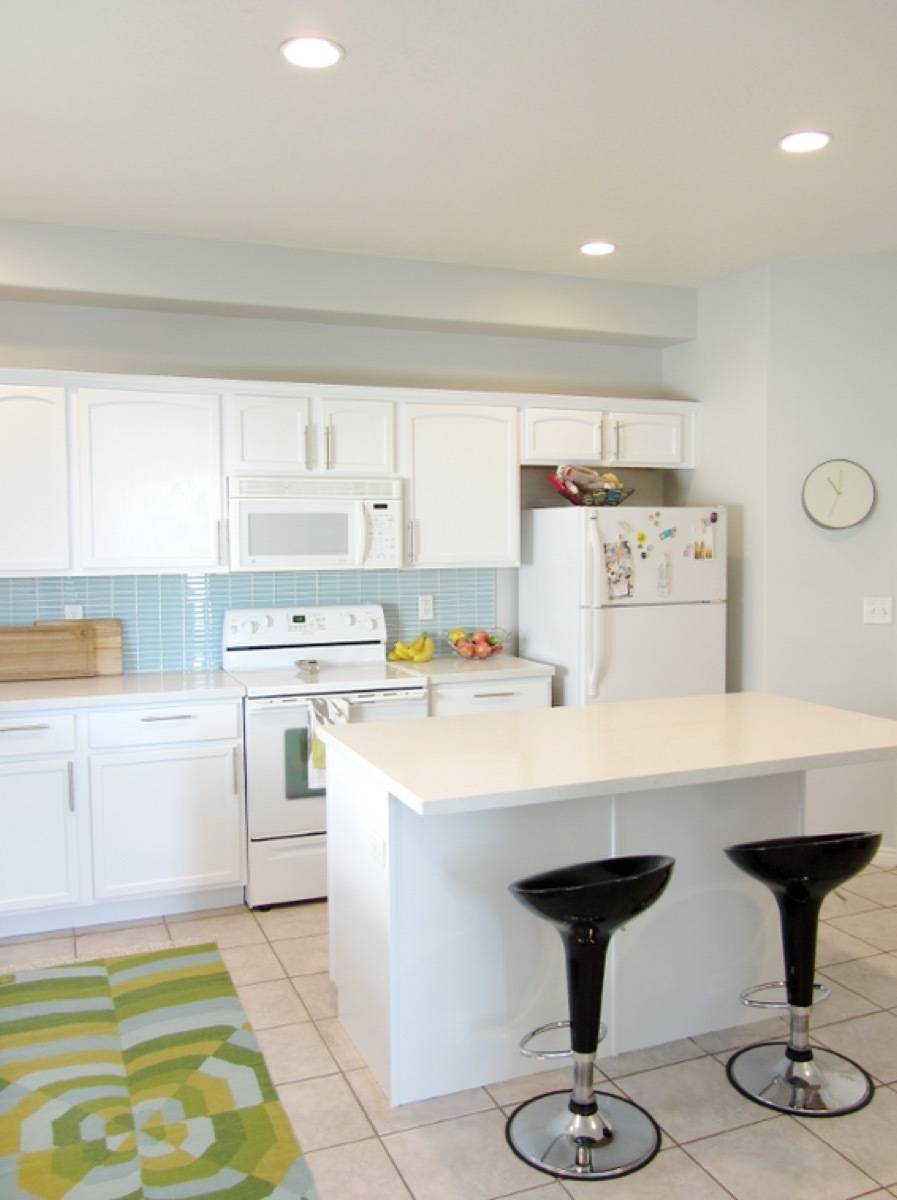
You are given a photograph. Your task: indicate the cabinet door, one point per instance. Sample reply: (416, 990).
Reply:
(150, 480)
(34, 480)
(166, 820)
(357, 437)
(38, 836)
(559, 435)
(266, 435)
(464, 489)
(644, 439)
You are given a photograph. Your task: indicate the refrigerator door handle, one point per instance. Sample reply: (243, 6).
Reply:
(593, 561)
(593, 654)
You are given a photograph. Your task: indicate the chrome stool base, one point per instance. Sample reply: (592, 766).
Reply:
(616, 1140)
(827, 1085)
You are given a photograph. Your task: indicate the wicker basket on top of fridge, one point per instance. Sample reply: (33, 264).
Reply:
(584, 485)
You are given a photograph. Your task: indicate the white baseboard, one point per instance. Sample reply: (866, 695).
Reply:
(886, 857)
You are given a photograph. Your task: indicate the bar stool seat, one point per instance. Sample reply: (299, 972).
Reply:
(581, 1133)
(793, 1076)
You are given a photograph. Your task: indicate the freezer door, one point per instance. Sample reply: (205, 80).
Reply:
(654, 556)
(648, 653)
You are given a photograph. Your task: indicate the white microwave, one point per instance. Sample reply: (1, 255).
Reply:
(290, 524)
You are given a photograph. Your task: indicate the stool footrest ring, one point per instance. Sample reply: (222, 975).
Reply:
(549, 1054)
(823, 990)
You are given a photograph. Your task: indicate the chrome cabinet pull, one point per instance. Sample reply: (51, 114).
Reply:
(178, 717)
(22, 728)
(71, 785)
(616, 441)
(328, 441)
(306, 437)
(493, 695)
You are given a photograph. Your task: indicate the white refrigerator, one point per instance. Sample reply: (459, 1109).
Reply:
(627, 603)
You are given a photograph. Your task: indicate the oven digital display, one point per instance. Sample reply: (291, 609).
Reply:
(298, 618)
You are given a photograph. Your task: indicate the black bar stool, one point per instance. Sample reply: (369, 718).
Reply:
(565, 1133)
(793, 1076)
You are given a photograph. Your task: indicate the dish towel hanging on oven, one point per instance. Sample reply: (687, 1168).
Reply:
(323, 710)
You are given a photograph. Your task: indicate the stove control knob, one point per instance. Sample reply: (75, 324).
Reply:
(269, 621)
(250, 626)
(370, 622)
(348, 619)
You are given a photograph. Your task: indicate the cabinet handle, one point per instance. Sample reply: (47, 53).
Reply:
(616, 441)
(307, 436)
(21, 728)
(493, 695)
(71, 785)
(179, 717)
(238, 770)
(328, 442)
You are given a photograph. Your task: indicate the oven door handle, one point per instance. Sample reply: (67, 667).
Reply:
(253, 706)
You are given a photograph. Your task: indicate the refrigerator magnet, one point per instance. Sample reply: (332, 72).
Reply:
(618, 563)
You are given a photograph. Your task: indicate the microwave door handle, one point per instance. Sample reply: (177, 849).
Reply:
(366, 535)
(360, 534)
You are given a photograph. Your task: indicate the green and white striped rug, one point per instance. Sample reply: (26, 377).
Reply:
(138, 1078)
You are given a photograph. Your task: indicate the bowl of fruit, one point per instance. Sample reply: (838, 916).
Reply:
(477, 643)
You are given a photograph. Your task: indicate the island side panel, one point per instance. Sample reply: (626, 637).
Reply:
(470, 970)
(679, 968)
(359, 906)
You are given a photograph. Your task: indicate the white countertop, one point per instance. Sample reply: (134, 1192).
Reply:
(496, 760)
(130, 688)
(454, 669)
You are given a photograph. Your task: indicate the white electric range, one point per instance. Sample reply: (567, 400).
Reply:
(303, 667)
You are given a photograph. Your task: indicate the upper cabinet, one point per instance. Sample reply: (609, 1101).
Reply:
(34, 480)
(290, 435)
(628, 438)
(641, 439)
(557, 435)
(150, 480)
(267, 435)
(463, 485)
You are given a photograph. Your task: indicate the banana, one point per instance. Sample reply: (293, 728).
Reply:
(426, 651)
(402, 652)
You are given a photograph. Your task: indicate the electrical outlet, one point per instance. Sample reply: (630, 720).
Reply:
(73, 612)
(878, 610)
(425, 608)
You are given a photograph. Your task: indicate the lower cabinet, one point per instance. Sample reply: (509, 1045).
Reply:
(502, 695)
(38, 835)
(167, 820)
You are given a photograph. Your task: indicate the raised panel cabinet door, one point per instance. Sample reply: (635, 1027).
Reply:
(38, 836)
(559, 435)
(34, 480)
(267, 435)
(150, 470)
(166, 820)
(644, 439)
(464, 489)
(356, 437)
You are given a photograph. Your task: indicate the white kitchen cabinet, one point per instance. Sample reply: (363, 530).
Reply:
(355, 437)
(644, 439)
(498, 695)
(561, 435)
(292, 435)
(34, 480)
(150, 475)
(463, 487)
(267, 435)
(38, 835)
(166, 820)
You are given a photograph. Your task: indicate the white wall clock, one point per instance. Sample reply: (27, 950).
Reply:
(838, 493)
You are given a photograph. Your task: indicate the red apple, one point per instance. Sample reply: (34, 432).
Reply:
(465, 649)
(497, 649)
(483, 649)
(481, 636)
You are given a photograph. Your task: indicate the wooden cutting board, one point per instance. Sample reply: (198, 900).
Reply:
(27, 652)
(107, 641)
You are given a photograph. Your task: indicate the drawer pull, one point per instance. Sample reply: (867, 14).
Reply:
(493, 695)
(22, 728)
(70, 781)
(178, 717)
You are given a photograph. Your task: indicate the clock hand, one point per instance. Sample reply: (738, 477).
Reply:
(834, 504)
(831, 481)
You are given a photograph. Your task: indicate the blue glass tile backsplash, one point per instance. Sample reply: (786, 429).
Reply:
(173, 622)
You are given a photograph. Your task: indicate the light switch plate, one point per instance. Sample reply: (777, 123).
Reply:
(878, 610)
(425, 608)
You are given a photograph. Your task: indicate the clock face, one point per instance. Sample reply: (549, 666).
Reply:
(838, 493)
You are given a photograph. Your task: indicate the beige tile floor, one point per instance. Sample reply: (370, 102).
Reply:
(717, 1146)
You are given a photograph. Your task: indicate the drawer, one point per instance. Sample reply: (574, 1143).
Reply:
(36, 733)
(500, 695)
(162, 725)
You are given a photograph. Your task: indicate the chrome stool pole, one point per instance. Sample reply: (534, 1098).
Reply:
(796, 1077)
(580, 1133)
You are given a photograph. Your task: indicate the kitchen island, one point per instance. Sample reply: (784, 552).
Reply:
(440, 973)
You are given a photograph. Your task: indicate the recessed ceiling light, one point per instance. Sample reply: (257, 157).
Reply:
(596, 248)
(311, 52)
(805, 141)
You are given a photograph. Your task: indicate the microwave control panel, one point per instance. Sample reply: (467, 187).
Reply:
(385, 524)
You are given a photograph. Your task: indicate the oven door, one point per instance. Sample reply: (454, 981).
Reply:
(296, 535)
(284, 789)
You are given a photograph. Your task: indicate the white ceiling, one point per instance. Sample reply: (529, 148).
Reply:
(486, 132)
